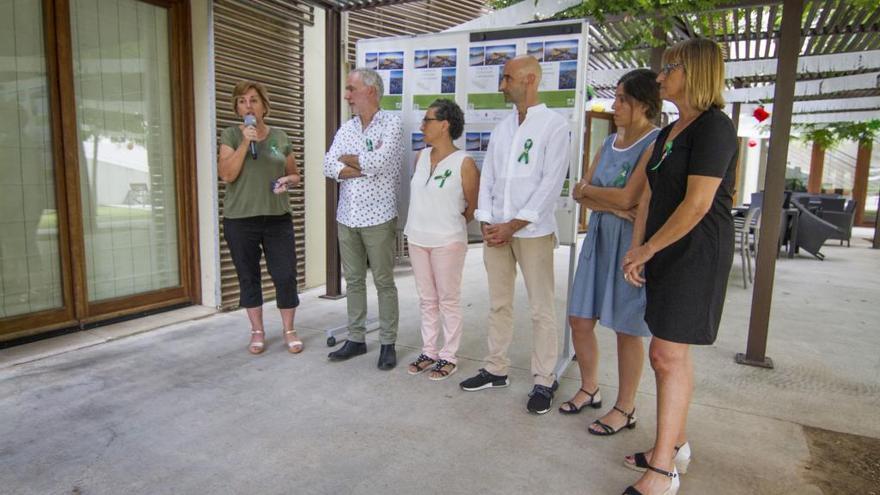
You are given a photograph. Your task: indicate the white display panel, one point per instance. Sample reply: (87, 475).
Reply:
(466, 66)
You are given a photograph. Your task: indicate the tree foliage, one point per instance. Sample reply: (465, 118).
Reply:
(828, 136)
(648, 15)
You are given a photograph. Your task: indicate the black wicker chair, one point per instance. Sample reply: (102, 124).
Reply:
(813, 231)
(843, 220)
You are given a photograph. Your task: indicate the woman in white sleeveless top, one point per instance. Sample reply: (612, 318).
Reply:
(443, 197)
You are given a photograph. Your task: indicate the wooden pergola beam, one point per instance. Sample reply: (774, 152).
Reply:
(860, 182)
(817, 168)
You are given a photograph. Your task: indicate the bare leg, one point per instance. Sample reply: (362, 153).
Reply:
(586, 348)
(258, 334)
(674, 370)
(291, 340)
(255, 315)
(630, 360)
(287, 318)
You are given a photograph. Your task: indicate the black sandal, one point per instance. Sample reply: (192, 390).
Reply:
(574, 409)
(418, 365)
(442, 374)
(607, 430)
(673, 486)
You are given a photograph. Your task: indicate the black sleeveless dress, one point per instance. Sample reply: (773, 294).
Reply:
(687, 280)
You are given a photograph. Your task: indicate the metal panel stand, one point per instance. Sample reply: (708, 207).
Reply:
(567, 354)
(372, 325)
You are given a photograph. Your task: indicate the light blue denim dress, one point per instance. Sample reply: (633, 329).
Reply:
(599, 290)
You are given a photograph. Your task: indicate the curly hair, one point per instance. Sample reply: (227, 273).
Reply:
(449, 111)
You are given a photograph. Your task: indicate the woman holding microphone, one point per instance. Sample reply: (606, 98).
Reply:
(258, 166)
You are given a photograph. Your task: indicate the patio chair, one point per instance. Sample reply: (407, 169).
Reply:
(843, 220)
(832, 204)
(813, 231)
(746, 231)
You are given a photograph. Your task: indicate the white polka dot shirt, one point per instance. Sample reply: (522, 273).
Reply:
(371, 199)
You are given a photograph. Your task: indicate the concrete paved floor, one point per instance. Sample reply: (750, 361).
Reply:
(185, 409)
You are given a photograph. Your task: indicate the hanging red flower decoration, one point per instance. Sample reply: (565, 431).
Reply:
(760, 114)
(752, 143)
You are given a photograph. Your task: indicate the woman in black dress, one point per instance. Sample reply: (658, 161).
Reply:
(685, 222)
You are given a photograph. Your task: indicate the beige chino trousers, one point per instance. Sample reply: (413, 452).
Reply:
(535, 259)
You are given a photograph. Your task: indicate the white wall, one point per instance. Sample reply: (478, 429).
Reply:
(206, 153)
(315, 145)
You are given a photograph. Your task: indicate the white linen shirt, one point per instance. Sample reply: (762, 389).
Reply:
(371, 199)
(510, 188)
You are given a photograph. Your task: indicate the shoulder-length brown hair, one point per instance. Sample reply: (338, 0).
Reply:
(242, 87)
(703, 62)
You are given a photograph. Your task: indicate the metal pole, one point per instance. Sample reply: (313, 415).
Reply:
(774, 184)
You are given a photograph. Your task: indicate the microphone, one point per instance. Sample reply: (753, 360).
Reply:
(251, 121)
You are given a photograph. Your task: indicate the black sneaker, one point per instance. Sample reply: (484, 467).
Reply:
(540, 398)
(482, 380)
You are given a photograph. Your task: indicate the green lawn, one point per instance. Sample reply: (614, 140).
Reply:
(49, 220)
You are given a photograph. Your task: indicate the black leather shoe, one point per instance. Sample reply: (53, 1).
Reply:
(348, 350)
(387, 357)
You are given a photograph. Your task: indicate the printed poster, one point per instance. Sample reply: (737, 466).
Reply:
(476, 144)
(485, 103)
(390, 66)
(559, 65)
(434, 76)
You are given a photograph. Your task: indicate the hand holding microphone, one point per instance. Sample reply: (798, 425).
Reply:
(250, 123)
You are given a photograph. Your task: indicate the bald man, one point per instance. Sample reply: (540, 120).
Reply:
(522, 176)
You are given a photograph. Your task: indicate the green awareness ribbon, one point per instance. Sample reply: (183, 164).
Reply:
(667, 150)
(369, 144)
(620, 180)
(524, 156)
(442, 178)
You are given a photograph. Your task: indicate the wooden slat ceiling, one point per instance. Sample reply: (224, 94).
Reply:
(415, 17)
(751, 32)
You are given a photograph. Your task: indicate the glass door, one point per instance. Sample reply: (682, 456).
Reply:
(126, 147)
(32, 281)
(97, 212)
(599, 126)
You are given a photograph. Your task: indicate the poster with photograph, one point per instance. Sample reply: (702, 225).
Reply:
(434, 76)
(390, 66)
(559, 62)
(485, 103)
(476, 144)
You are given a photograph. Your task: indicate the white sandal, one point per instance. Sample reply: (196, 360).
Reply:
(258, 342)
(639, 462)
(294, 345)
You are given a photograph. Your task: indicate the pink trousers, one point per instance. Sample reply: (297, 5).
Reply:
(438, 281)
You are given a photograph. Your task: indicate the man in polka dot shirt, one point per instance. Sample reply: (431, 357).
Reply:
(366, 158)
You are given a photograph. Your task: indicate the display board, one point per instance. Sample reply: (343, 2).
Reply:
(467, 67)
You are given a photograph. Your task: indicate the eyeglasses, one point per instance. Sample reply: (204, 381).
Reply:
(668, 68)
(427, 119)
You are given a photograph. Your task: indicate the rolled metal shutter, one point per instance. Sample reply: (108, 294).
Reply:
(424, 16)
(262, 40)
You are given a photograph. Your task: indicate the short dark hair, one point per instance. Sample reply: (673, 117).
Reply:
(641, 85)
(449, 111)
